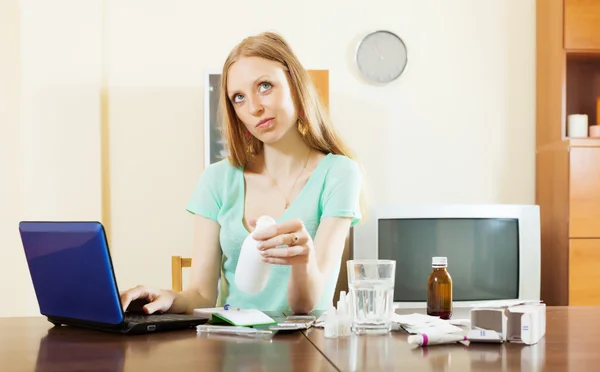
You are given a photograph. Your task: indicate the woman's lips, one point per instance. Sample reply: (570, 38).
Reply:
(266, 123)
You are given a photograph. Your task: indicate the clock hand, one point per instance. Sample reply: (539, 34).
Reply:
(377, 51)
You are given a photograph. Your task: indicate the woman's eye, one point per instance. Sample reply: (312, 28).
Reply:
(238, 98)
(264, 86)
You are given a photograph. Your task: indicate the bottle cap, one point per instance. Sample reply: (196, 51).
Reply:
(439, 261)
(264, 221)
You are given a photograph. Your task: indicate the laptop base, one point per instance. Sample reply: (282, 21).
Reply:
(170, 323)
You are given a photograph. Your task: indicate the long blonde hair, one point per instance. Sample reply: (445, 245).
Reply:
(314, 121)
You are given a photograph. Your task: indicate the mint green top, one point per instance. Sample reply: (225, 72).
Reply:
(333, 190)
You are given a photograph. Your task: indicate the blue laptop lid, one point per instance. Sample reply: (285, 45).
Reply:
(71, 270)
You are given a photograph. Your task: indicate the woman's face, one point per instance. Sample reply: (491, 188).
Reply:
(259, 92)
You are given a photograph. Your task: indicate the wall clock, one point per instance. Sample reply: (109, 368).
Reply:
(381, 57)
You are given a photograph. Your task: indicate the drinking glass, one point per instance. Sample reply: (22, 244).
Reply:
(371, 286)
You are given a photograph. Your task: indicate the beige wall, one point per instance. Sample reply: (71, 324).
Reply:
(17, 295)
(457, 126)
(50, 55)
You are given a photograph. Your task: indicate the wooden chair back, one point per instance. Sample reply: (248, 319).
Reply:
(177, 265)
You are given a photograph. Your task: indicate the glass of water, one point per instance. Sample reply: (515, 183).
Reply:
(371, 286)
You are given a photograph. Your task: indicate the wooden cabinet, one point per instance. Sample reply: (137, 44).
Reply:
(581, 24)
(584, 193)
(320, 80)
(568, 169)
(584, 272)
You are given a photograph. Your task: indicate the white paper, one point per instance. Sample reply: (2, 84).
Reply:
(434, 328)
(504, 304)
(420, 323)
(415, 319)
(320, 323)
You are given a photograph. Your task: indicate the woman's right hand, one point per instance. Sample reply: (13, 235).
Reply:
(157, 300)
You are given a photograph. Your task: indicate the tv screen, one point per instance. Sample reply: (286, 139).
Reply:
(483, 256)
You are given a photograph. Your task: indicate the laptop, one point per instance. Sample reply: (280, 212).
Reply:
(74, 280)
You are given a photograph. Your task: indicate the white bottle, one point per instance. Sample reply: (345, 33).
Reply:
(343, 315)
(252, 273)
(331, 328)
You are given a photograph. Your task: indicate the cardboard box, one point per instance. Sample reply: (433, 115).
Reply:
(524, 322)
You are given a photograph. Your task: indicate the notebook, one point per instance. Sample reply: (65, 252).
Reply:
(243, 317)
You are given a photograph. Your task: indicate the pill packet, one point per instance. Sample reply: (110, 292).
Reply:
(294, 323)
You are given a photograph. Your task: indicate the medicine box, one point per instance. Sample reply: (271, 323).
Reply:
(523, 323)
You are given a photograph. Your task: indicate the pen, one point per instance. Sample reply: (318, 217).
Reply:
(232, 330)
(229, 307)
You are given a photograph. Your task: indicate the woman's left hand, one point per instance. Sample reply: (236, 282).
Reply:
(291, 233)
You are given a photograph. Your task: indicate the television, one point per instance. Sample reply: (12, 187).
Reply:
(493, 250)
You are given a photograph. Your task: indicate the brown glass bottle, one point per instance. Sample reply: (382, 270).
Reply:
(439, 289)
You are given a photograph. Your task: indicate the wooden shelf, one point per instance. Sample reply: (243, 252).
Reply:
(583, 85)
(565, 143)
(584, 142)
(590, 53)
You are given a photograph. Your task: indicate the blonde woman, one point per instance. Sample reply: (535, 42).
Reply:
(286, 161)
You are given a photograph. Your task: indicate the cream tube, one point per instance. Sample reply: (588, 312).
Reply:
(435, 339)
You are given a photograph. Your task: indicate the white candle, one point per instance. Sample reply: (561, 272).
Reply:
(577, 126)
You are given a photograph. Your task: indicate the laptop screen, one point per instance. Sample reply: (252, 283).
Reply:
(72, 271)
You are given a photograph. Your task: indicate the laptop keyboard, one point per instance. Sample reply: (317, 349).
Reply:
(154, 318)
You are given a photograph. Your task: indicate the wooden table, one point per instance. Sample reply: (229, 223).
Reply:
(33, 344)
(572, 342)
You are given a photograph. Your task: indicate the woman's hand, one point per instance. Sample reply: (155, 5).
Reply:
(157, 300)
(300, 246)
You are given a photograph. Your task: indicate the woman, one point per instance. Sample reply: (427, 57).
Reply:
(286, 161)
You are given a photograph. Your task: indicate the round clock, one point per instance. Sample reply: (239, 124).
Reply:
(381, 57)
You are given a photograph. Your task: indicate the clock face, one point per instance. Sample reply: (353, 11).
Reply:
(381, 57)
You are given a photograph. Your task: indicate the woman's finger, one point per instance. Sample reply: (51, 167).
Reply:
(285, 252)
(131, 295)
(289, 239)
(161, 304)
(283, 261)
(278, 229)
(138, 293)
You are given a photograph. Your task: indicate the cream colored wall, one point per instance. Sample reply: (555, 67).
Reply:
(51, 57)
(457, 126)
(17, 295)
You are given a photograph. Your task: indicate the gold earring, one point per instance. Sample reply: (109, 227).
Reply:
(302, 127)
(249, 147)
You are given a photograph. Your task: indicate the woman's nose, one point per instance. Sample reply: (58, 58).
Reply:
(255, 106)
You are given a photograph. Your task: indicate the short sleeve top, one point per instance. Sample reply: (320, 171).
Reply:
(333, 190)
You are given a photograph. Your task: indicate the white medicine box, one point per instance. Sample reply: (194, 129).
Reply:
(525, 323)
